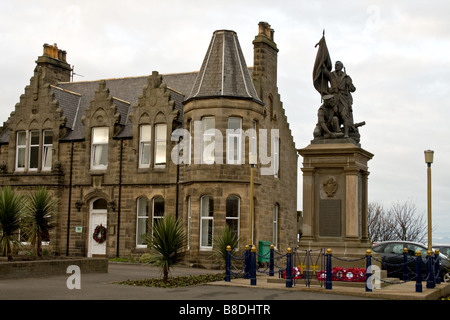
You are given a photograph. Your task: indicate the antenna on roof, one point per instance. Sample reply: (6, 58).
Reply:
(76, 74)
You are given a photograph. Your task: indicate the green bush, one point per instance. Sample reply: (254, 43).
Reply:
(146, 258)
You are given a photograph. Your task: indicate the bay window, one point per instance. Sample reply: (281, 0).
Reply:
(206, 222)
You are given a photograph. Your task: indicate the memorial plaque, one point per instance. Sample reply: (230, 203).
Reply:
(330, 218)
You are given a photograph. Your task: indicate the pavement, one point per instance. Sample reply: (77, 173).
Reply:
(103, 286)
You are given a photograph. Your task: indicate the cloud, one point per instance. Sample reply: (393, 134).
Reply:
(396, 54)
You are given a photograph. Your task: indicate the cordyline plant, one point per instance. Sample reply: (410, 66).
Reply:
(11, 205)
(38, 218)
(221, 241)
(168, 240)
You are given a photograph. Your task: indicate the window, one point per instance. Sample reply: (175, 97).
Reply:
(208, 153)
(34, 150)
(142, 221)
(47, 150)
(232, 211)
(21, 147)
(158, 208)
(276, 209)
(100, 204)
(160, 143)
(276, 157)
(234, 140)
(206, 222)
(99, 156)
(145, 135)
(253, 140)
(189, 223)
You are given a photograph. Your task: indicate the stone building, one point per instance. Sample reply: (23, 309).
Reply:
(125, 152)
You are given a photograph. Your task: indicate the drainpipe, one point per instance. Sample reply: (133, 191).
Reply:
(120, 196)
(178, 179)
(70, 199)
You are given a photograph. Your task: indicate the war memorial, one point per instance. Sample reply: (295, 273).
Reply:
(335, 166)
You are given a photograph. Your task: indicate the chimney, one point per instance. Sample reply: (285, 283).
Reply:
(54, 65)
(265, 65)
(264, 29)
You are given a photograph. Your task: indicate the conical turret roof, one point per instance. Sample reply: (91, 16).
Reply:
(224, 72)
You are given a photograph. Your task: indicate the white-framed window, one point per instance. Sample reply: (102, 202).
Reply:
(99, 149)
(157, 208)
(234, 140)
(253, 148)
(208, 150)
(189, 222)
(33, 152)
(145, 137)
(21, 150)
(233, 213)
(160, 144)
(276, 158)
(47, 150)
(206, 222)
(276, 209)
(142, 222)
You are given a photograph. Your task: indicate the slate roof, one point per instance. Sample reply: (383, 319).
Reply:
(223, 73)
(125, 93)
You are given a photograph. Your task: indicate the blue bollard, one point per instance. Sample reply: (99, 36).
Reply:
(253, 266)
(405, 265)
(228, 265)
(329, 279)
(289, 268)
(419, 271)
(272, 262)
(368, 275)
(431, 282)
(247, 262)
(437, 267)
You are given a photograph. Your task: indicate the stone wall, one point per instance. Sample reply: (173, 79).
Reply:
(42, 268)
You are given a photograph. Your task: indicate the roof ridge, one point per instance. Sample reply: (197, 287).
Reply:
(65, 90)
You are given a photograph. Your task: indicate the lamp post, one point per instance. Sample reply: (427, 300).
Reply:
(252, 162)
(429, 160)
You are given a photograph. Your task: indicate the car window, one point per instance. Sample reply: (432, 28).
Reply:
(394, 248)
(412, 249)
(445, 251)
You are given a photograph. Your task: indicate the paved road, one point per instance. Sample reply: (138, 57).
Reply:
(101, 286)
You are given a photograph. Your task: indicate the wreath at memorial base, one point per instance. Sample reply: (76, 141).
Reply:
(99, 234)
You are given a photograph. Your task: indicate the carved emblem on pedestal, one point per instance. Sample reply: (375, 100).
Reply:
(330, 187)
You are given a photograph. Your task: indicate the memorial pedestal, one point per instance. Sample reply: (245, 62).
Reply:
(335, 187)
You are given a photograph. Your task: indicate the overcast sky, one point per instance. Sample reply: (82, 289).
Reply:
(397, 53)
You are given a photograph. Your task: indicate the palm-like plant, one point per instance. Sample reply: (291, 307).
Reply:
(221, 241)
(39, 217)
(168, 240)
(11, 205)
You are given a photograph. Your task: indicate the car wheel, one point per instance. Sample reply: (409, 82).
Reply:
(447, 277)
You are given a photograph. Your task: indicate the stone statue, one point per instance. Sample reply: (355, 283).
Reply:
(328, 122)
(341, 87)
(338, 84)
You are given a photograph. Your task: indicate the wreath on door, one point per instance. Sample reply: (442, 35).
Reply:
(99, 234)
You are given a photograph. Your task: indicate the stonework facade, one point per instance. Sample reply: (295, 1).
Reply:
(125, 152)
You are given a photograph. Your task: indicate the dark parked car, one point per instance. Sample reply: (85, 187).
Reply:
(391, 254)
(444, 249)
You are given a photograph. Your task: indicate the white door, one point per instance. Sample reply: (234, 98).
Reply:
(98, 216)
